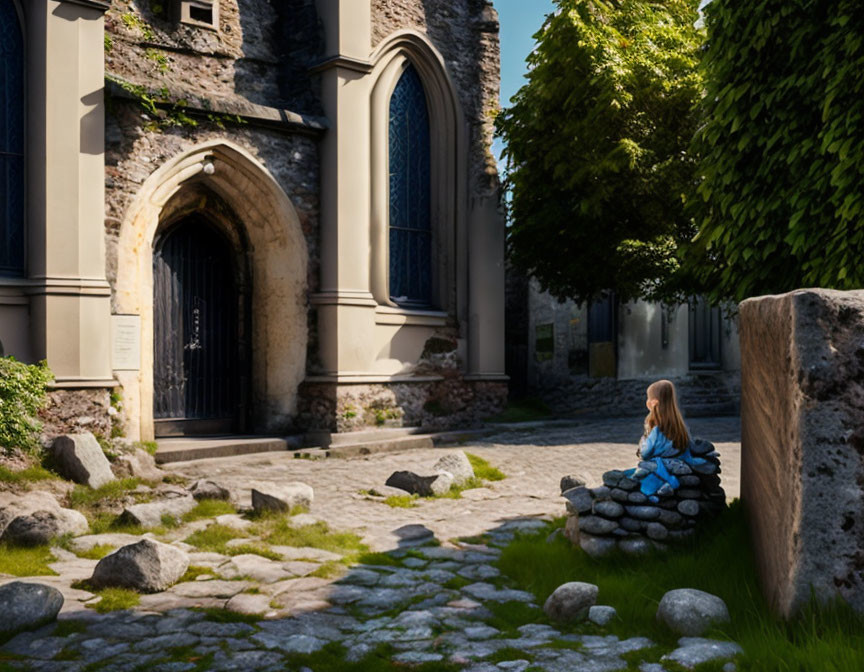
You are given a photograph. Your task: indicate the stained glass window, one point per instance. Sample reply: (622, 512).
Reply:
(11, 141)
(410, 193)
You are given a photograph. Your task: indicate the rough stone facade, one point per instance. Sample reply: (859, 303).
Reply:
(466, 34)
(74, 411)
(802, 444)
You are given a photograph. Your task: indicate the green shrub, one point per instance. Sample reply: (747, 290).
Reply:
(22, 394)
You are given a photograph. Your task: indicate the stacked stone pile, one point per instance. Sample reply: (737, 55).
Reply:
(618, 515)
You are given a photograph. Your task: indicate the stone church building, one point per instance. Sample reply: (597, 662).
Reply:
(252, 216)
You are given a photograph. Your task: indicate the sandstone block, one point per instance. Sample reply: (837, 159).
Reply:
(80, 458)
(151, 514)
(802, 443)
(40, 527)
(205, 489)
(139, 463)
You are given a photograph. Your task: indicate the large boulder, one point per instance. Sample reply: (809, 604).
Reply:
(26, 606)
(79, 457)
(40, 527)
(802, 443)
(139, 464)
(571, 602)
(424, 486)
(148, 566)
(152, 514)
(691, 612)
(281, 497)
(456, 464)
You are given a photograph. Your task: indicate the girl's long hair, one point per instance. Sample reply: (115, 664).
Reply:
(666, 415)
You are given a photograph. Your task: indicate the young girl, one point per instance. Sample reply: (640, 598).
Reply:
(665, 438)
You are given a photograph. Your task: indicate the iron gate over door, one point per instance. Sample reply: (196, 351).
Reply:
(196, 382)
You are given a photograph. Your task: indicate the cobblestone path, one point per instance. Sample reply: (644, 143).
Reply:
(429, 603)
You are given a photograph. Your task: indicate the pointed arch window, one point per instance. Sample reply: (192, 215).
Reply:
(410, 193)
(11, 141)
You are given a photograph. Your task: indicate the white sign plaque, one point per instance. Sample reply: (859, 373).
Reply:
(126, 342)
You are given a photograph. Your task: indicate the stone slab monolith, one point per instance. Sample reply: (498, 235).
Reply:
(802, 443)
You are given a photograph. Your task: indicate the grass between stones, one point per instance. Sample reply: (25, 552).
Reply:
(26, 561)
(217, 615)
(401, 501)
(208, 508)
(214, 538)
(83, 496)
(96, 552)
(194, 572)
(29, 475)
(114, 599)
(280, 532)
(332, 659)
(718, 560)
(483, 470)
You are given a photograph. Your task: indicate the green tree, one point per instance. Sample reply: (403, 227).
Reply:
(780, 203)
(596, 147)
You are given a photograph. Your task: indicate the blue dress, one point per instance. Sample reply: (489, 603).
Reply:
(657, 448)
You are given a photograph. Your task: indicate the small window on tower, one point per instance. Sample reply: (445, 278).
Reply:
(202, 13)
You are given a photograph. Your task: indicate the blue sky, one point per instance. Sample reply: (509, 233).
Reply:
(520, 19)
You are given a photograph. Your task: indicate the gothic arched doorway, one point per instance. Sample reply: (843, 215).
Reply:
(199, 364)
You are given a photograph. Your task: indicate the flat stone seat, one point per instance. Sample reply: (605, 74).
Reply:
(183, 449)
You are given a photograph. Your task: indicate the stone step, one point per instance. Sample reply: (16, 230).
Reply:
(324, 438)
(380, 446)
(204, 447)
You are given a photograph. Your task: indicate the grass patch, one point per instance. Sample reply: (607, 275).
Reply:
(456, 583)
(147, 446)
(280, 532)
(331, 658)
(194, 572)
(83, 496)
(378, 559)
(401, 501)
(254, 549)
(96, 552)
(208, 508)
(115, 599)
(329, 570)
(523, 410)
(508, 616)
(26, 561)
(509, 653)
(187, 654)
(29, 475)
(214, 538)
(101, 523)
(829, 638)
(483, 470)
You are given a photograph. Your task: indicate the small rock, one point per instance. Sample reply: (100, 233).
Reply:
(596, 525)
(138, 464)
(630, 524)
(79, 457)
(636, 498)
(457, 465)
(596, 547)
(628, 484)
(443, 483)
(619, 495)
(701, 447)
(689, 507)
(40, 527)
(612, 478)
(677, 467)
(579, 499)
(151, 514)
(148, 566)
(635, 546)
(571, 481)
(609, 509)
(418, 485)
(600, 492)
(571, 602)
(643, 512)
(656, 531)
(205, 489)
(245, 603)
(691, 612)
(281, 496)
(601, 615)
(26, 606)
(695, 651)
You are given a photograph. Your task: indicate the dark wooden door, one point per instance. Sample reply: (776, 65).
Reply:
(196, 383)
(705, 326)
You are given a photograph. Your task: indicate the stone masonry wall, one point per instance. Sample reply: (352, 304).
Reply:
(802, 444)
(466, 34)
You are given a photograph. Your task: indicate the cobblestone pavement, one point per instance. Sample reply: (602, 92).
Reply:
(428, 603)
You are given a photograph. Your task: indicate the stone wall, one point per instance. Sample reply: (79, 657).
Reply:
(618, 515)
(78, 410)
(802, 444)
(433, 405)
(466, 34)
